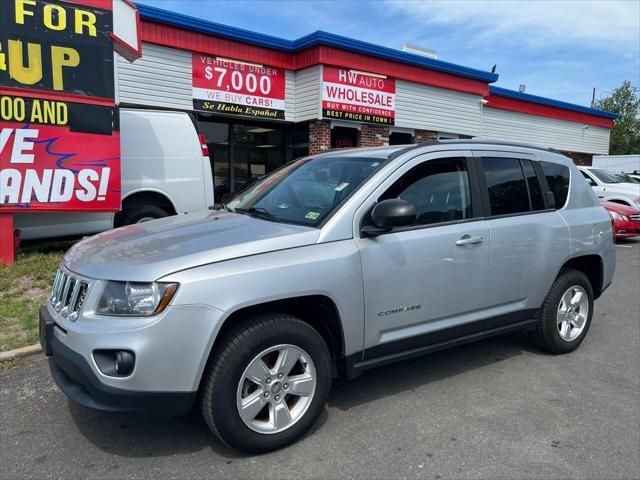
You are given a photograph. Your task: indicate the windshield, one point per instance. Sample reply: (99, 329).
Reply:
(604, 176)
(306, 191)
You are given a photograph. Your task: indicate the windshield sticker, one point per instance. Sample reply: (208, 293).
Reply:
(341, 187)
(312, 215)
(375, 164)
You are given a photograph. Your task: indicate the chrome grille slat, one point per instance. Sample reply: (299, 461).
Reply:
(56, 281)
(635, 217)
(74, 295)
(82, 292)
(68, 293)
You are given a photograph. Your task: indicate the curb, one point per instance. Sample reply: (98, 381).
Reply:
(20, 352)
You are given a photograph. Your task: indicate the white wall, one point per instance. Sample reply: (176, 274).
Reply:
(430, 108)
(308, 93)
(544, 131)
(161, 77)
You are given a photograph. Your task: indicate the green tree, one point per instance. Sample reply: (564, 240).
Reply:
(625, 135)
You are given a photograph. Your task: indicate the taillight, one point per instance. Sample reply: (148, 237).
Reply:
(203, 145)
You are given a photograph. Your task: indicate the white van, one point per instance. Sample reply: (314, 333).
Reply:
(165, 171)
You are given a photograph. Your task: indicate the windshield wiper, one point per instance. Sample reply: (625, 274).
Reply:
(258, 212)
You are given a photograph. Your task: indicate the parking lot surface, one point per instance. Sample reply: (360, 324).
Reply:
(493, 409)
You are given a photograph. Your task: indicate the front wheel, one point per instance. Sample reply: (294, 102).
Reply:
(267, 383)
(566, 314)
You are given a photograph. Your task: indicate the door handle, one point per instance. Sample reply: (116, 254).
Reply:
(468, 240)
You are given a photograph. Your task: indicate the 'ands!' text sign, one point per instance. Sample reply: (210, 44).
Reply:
(358, 96)
(238, 88)
(59, 141)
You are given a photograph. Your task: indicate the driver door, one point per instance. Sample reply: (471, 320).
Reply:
(427, 283)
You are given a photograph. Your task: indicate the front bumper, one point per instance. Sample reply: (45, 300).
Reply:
(76, 374)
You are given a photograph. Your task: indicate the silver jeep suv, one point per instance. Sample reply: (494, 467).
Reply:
(329, 266)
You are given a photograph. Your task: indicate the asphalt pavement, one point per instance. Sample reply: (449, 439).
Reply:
(493, 409)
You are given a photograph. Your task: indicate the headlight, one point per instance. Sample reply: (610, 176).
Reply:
(135, 299)
(617, 216)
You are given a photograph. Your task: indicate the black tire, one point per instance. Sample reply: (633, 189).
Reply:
(546, 335)
(228, 363)
(135, 214)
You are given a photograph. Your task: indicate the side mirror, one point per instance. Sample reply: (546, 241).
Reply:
(389, 214)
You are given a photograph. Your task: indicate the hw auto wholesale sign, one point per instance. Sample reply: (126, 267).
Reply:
(233, 87)
(58, 147)
(358, 96)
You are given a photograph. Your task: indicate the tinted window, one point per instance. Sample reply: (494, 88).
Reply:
(558, 180)
(604, 176)
(506, 184)
(439, 189)
(535, 192)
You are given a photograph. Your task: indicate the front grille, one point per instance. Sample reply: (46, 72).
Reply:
(68, 293)
(635, 217)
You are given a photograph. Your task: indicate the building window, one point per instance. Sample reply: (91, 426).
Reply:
(399, 138)
(344, 137)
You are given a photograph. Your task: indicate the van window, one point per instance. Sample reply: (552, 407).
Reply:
(558, 180)
(535, 192)
(438, 188)
(506, 184)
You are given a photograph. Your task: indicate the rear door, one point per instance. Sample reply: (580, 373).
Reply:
(526, 236)
(426, 283)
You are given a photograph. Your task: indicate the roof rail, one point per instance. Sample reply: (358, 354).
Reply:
(485, 141)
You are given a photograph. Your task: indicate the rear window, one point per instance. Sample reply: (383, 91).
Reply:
(558, 180)
(506, 184)
(535, 192)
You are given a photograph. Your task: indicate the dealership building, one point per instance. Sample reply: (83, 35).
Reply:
(261, 101)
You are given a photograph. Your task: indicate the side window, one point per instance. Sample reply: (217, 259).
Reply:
(535, 192)
(558, 180)
(506, 184)
(438, 188)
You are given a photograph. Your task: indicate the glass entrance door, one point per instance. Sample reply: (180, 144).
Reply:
(256, 151)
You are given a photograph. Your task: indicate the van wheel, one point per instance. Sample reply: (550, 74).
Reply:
(140, 214)
(267, 383)
(566, 313)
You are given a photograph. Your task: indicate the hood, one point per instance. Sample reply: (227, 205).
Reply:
(620, 208)
(147, 251)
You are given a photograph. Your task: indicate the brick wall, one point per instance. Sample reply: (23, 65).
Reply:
(424, 135)
(374, 135)
(319, 136)
(580, 158)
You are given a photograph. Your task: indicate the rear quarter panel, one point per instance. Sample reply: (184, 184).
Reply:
(589, 224)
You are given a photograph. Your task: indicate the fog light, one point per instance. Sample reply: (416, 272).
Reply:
(124, 363)
(115, 363)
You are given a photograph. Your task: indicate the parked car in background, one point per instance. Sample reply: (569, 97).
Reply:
(329, 266)
(626, 220)
(165, 170)
(627, 178)
(608, 186)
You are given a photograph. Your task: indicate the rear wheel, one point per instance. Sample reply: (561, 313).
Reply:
(566, 314)
(267, 383)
